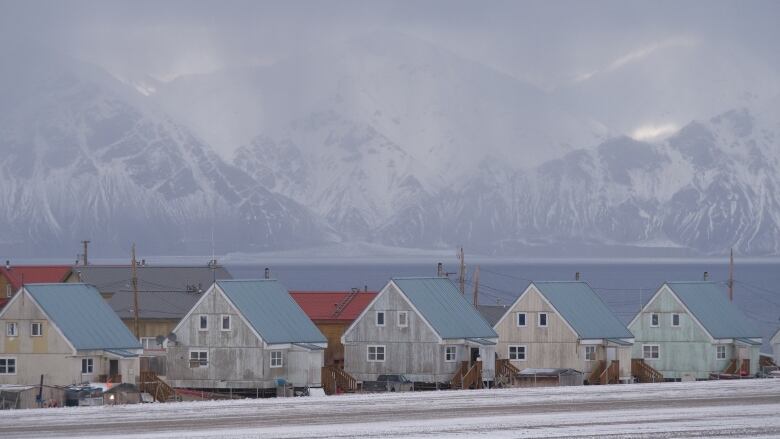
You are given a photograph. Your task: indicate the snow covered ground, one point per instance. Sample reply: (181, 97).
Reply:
(749, 408)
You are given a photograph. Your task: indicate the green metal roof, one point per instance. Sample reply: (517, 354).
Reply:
(442, 305)
(583, 309)
(268, 307)
(83, 316)
(710, 305)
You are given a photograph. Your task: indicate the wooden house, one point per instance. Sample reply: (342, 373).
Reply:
(690, 330)
(332, 312)
(775, 342)
(424, 329)
(67, 334)
(12, 277)
(565, 325)
(245, 335)
(165, 295)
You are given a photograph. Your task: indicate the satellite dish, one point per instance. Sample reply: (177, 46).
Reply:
(172, 336)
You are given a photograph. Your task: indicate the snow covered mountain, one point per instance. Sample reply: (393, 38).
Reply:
(85, 157)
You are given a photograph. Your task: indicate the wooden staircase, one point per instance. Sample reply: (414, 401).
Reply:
(506, 372)
(335, 380)
(744, 368)
(645, 373)
(731, 368)
(595, 374)
(159, 389)
(611, 375)
(467, 377)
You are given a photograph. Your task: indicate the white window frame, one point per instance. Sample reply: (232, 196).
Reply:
(40, 329)
(546, 319)
(406, 319)
(376, 353)
(276, 359)
(717, 352)
(679, 320)
(591, 348)
(376, 318)
(15, 332)
(150, 343)
(518, 348)
(525, 320)
(200, 320)
(657, 319)
(198, 357)
(87, 366)
(450, 354)
(7, 360)
(658, 350)
(222, 322)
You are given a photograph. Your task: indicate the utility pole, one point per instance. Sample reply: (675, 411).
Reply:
(462, 273)
(731, 276)
(476, 287)
(135, 294)
(86, 244)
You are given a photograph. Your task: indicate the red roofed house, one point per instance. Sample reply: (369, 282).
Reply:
(12, 277)
(332, 312)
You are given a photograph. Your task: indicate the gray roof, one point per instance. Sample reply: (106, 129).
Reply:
(165, 292)
(709, 303)
(442, 305)
(269, 308)
(492, 313)
(83, 316)
(583, 309)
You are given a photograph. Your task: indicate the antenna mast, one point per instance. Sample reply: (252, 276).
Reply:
(476, 287)
(462, 273)
(86, 244)
(135, 293)
(731, 275)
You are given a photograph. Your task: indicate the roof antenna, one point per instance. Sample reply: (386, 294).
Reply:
(731, 276)
(267, 273)
(706, 276)
(577, 276)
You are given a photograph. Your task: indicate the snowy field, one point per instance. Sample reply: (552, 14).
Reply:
(749, 408)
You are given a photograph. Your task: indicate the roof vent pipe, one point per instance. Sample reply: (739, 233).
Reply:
(7, 264)
(267, 273)
(577, 276)
(365, 288)
(706, 276)
(440, 270)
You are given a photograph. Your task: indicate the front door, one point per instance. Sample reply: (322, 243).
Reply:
(474, 356)
(113, 368)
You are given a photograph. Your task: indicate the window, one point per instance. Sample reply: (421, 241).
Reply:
(8, 366)
(203, 322)
(380, 318)
(11, 329)
(8, 290)
(676, 320)
(376, 353)
(542, 319)
(276, 359)
(651, 352)
(36, 329)
(403, 319)
(590, 353)
(199, 358)
(521, 319)
(654, 320)
(87, 366)
(150, 343)
(226, 323)
(720, 352)
(517, 353)
(450, 353)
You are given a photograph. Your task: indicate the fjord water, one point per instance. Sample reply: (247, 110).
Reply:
(624, 286)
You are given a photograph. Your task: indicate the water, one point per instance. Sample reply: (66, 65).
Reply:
(623, 286)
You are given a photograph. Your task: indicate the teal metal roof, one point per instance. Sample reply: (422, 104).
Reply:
(267, 306)
(442, 305)
(83, 316)
(710, 305)
(583, 309)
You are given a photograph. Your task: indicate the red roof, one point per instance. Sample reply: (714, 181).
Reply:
(32, 274)
(321, 305)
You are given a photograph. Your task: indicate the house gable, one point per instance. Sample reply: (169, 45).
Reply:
(532, 302)
(23, 310)
(665, 303)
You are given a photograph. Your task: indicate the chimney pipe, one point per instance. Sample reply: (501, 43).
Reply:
(7, 264)
(365, 288)
(440, 270)
(267, 273)
(706, 276)
(577, 276)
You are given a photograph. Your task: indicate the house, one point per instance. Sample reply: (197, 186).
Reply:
(65, 334)
(12, 277)
(332, 312)
(245, 335)
(689, 330)
(165, 295)
(424, 329)
(565, 325)
(775, 342)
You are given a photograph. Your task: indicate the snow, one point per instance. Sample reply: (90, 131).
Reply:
(732, 408)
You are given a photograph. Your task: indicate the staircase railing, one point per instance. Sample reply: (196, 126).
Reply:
(731, 368)
(473, 378)
(506, 370)
(611, 374)
(744, 368)
(335, 380)
(153, 385)
(644, 372)
(595, 373)
(457, 378)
